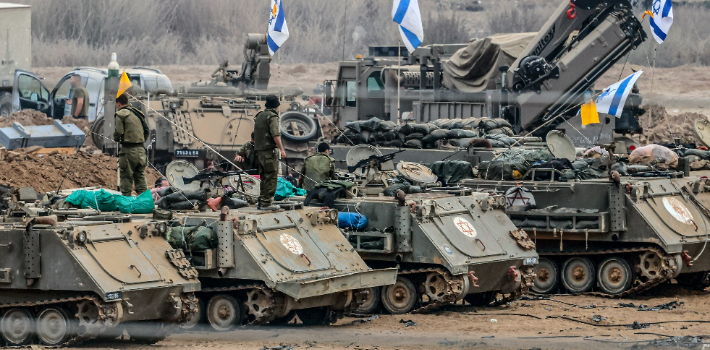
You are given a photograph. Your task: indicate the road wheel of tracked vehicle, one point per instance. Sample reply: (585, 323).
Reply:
(17, 327)
(614, 275)
(53, 326)
(371, 303)
(547, 276)
(401, 297)
(197, 318)
(317, 316)
(694, 280)
(578, 275)
(481, 299)
(223, 312)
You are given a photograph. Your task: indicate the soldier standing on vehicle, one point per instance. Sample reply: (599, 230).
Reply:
(131, 133)
(317, 168)
(267, 139)
(80, 100)
(246, 157)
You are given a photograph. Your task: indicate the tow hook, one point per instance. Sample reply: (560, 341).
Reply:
(514, 274)
(474, 280)
(687, 258)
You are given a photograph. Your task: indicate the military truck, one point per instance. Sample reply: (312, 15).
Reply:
(65, 278)
(449, 244)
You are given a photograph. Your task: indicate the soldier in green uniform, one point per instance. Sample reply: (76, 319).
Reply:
(80, 100)
(246, 157)
(317, 168)
(131, 133)
(267, 139)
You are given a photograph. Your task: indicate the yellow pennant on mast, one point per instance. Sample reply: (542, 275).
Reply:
(124, 85)
(589, 113)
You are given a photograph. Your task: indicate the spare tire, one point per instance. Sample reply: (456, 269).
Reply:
(96, 133)
(305, 127)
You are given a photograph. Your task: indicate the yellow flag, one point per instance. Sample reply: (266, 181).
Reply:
(124, 85)
(589, 113)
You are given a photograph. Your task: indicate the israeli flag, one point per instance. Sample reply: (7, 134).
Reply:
(612, 99)
(662, 19)
(278, 30)
(406, 14)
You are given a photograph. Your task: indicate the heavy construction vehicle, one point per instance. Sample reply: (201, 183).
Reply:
(266, 267)
(219, 114)
(449, 244)
(66, 277)
(528, 79)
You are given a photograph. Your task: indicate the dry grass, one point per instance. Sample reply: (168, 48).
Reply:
(194, 32)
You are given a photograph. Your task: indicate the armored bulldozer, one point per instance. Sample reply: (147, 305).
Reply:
(449, 244)
(63, 282)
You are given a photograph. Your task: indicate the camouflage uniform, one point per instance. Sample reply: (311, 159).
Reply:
(317, 168)
(131, 132)
(249, 154)
(266, 127)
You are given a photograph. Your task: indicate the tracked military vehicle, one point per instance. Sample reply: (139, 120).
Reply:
(449, 244)
(623, 234)
(67, 281)
(266, 267)
(217, 114)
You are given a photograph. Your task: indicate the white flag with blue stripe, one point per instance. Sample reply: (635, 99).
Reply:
(406, 13)
(612, 99)
(278, 30)
(662, 19)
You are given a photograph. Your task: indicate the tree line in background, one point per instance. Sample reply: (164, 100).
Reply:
(187, 32)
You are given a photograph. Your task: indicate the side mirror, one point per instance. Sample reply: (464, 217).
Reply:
(34, 97)
(329, 94)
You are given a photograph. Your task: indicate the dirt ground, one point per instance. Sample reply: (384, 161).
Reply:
(562, 322)
(45, 173)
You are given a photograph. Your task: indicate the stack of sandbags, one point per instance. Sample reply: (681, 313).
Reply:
(456, 133)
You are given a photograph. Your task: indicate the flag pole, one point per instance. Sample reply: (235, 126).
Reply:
(399, 77)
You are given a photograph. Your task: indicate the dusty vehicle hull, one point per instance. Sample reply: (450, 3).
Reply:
(449, 248)
(619, 238)
(97, 278)
(270, 266)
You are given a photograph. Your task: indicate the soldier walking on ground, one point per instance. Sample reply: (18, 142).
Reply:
(267, 139)
(317, 168)
(80, 100)
(131, 133)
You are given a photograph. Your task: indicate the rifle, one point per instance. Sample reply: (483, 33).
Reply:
(205, 176)
(374, 158)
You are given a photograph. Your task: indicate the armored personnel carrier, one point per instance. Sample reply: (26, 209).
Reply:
(266, 267)
(622, 233)
(63, 281)
(449, 244)
(217, 114)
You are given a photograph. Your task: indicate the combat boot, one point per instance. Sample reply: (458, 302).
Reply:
(269, 208)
